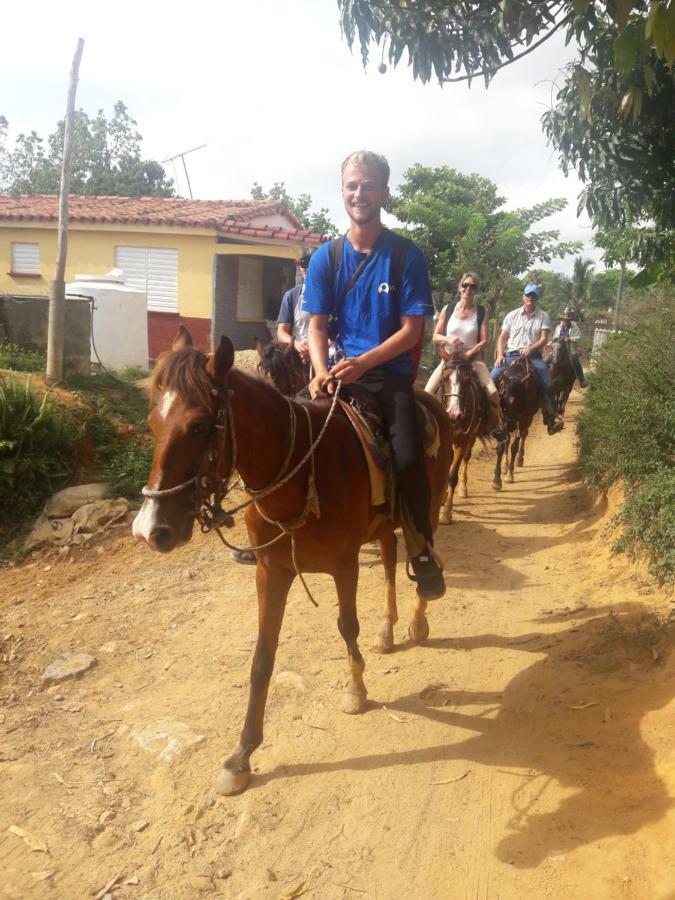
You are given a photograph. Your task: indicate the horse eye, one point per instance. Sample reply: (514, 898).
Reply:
(199, 429)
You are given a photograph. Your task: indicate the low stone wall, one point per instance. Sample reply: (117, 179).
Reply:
(24, 321)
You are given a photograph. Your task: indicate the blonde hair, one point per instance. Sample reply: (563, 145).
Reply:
(367, 158)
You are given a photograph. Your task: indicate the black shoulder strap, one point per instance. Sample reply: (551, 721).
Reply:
(398, 258)
(335, 252)
(481, 317)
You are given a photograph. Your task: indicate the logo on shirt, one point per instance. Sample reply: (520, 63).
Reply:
(383, 288)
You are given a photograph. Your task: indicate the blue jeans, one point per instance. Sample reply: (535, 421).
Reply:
(543, 375)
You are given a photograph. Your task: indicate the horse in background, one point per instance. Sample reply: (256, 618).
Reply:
(563, 374)
(520, 398)
(309, 510)
(464, 400)
(281, 364)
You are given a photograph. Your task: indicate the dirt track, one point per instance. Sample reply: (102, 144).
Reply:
(526, 750)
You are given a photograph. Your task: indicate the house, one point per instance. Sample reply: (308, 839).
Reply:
(217, 266)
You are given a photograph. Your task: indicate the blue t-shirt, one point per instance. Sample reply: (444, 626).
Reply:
(370, 313)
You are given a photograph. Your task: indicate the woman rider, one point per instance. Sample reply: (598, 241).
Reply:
(464, 327)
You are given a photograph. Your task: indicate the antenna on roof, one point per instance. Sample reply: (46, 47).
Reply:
(182, 156)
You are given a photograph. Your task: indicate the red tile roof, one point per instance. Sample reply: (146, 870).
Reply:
(226, 217)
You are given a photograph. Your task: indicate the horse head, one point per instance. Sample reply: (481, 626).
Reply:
(190, 424)
(283, 366)
(559, 352)
(457, 374)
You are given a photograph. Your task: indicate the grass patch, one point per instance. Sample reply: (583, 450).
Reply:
(36, 450)
(21, 359)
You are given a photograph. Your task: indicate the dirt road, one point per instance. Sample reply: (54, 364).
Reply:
(526, 750)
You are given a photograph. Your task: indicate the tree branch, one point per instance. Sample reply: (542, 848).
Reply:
(508, 61)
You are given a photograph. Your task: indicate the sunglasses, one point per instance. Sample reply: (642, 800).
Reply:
(532, 296)
(469, 287)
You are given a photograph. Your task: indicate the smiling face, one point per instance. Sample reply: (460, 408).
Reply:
(363, 193)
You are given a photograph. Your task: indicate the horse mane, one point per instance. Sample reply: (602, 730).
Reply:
(183, 371)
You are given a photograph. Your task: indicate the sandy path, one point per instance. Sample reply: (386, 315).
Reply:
(525, 750)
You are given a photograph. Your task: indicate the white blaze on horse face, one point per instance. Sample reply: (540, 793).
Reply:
(167, 403)
(146, 520)
(454, 409)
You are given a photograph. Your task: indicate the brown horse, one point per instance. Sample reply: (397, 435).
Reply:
(519, 395)
(283, 366)
(308, 510)
(464, 400)
(563, 375)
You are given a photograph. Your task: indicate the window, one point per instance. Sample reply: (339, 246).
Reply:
(25, 259)
(250, 289)
(153, 270)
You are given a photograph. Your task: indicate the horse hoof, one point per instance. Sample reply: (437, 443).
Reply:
(520, 462)
(230, 783)
(465, 493)
(353, 704)
(418, 630)
(496, 485)
(385, 640)
(445, 517)
(509, 477)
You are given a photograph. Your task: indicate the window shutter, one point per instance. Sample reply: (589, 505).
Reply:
(153, 270)
(25, 259)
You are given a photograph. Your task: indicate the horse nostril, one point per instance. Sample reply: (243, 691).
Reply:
(162, 538)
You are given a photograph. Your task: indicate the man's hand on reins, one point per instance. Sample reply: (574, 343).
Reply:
(321, 384)
(349, 369)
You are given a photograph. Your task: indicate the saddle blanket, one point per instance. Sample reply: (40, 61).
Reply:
(377, 453)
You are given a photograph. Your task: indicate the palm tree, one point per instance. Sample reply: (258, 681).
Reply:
(582, 277)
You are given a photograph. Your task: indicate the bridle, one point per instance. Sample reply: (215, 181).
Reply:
(474, 390)
(209, 484)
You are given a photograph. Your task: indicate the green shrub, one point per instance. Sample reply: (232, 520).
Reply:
(35, 450)
(649, 523)
(127, 469)
(21, 359)
(627, 429)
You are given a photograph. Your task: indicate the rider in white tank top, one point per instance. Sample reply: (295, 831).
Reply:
(464, 329)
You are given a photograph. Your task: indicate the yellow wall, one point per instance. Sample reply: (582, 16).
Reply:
(91, 251)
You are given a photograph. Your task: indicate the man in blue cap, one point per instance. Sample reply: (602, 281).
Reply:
(525, 331)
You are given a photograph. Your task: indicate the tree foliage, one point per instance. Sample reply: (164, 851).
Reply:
(107, 159)
(316, 221)
(612, 119)
(459, 222)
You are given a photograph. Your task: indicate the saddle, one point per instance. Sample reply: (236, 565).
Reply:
(363, 413)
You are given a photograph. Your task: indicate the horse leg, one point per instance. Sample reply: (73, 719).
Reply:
(512, 458)
(453, 478)
(273, 587)
(385, 639)
(497, 480)
(465, 474)
(520, 459)
(346, 581)
(418, 630)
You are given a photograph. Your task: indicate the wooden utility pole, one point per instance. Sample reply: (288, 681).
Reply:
(57, 293)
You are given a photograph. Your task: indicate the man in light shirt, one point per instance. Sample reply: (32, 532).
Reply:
(569, 331)
(293, 321)
(525, 331)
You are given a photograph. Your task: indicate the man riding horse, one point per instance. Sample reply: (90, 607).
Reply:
(525, 331)
(570, 332)
(380, 319)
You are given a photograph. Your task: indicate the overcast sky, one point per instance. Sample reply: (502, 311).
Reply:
(273, 90)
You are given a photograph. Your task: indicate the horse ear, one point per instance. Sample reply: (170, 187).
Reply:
(183, 339)
(222, 360)
(259, 346)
